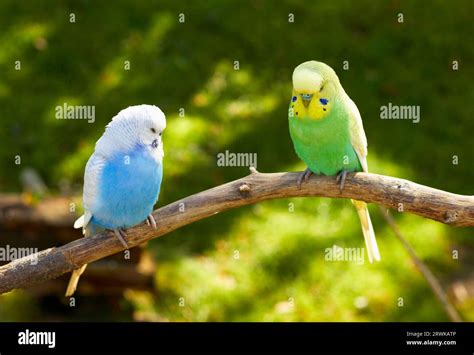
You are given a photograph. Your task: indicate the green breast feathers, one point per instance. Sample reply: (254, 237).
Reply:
(323, 143)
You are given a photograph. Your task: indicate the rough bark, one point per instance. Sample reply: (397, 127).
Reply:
(445, 207)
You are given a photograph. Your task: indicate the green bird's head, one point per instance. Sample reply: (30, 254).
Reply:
(315, 89)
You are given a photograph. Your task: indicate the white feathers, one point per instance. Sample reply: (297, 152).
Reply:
(79, 222)
(134, 125)
(92, 174)
(83, 221)
(306, 80)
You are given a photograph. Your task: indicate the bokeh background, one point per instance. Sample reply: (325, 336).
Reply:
(193, 274)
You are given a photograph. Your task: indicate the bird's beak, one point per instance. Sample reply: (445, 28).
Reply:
(306, 99)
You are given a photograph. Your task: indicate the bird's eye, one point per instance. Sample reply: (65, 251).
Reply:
(160, 134)
(321, 88)
(153, 130)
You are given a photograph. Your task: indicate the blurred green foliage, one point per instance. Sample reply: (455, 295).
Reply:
(280, 273)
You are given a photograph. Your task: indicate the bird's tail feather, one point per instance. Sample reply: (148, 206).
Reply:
(74, 280)
(368, 230)
(79, 223)
(88, 230)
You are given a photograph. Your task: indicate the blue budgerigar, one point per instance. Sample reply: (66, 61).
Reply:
(123, 176)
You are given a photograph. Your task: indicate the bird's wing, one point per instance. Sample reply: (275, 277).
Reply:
(92, 175)
(358, 138)
(359, 143)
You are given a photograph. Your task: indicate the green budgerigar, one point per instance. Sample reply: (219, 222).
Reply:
(327, 133)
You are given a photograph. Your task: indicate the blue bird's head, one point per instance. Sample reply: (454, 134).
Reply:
(135, 126)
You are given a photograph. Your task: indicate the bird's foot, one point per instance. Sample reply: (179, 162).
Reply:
(121, 235)
(341, 179)
(150, 220)
(304, 176)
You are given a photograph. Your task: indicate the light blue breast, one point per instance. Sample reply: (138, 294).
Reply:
(128, 189)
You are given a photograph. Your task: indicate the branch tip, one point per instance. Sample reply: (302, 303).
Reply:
(253, 170)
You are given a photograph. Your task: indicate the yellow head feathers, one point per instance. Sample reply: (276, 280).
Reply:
(315, 85)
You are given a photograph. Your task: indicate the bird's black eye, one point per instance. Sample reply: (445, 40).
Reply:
(153, 130)
(160, 134)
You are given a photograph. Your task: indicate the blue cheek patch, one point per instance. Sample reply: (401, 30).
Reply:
(293, 98)
(324, 101)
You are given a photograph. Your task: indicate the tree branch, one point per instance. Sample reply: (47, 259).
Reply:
(445, 207)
